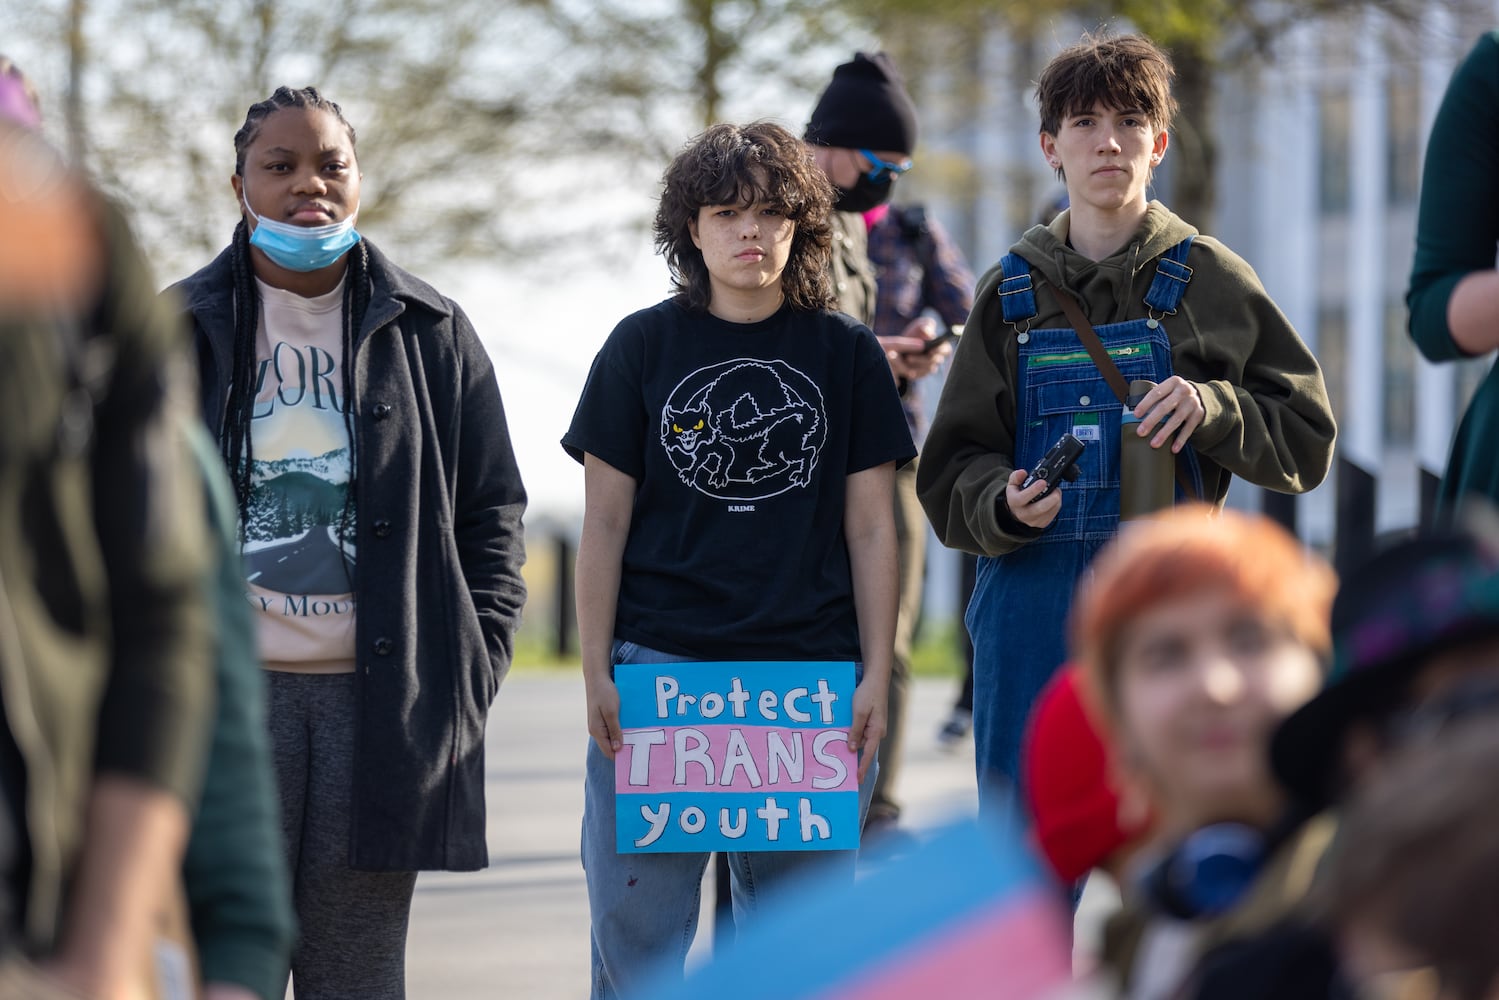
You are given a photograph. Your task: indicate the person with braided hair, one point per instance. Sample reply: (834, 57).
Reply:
(380, 509)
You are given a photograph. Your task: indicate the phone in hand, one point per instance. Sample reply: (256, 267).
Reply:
(950, 337)
(1056, 465)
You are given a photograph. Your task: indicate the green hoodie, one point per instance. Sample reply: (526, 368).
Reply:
(1268, 419)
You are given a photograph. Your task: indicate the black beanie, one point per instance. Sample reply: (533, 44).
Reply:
(865, 107)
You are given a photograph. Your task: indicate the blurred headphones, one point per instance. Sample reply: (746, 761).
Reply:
(1206, 874)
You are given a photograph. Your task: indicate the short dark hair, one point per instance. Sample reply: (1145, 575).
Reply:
(740, 165)
(1124, 73)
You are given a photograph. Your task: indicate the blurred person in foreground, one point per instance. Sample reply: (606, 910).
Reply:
(104, 627)
(238, 900)
(1196, 634)
(1415, 649)
(1412, 893)
(1079, 820)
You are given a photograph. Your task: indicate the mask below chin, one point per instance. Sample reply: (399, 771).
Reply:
(864, 195)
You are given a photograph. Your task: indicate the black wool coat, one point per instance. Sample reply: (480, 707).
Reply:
(440, 547)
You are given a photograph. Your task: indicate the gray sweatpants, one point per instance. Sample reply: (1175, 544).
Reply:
(352, 924)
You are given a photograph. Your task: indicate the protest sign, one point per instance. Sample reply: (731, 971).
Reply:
(735, 756)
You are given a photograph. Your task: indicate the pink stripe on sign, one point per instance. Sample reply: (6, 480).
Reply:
(734, 759)
(1011, 952)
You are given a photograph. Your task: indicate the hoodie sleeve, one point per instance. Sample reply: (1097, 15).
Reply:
(968, 455)
(1268, 419)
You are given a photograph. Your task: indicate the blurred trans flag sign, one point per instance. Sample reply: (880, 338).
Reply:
(967, 916)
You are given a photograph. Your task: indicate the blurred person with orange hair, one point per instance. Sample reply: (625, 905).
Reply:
(1196, 635)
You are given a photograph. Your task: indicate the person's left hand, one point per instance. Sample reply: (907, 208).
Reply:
(1173, 407)
(870, 706)
(906, 354)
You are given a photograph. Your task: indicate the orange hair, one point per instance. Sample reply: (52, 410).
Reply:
(1185, 552)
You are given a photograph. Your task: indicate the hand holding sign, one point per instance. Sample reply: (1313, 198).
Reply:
(603, 715)
(870, 719)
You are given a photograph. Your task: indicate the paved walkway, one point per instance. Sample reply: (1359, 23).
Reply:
(520, 928)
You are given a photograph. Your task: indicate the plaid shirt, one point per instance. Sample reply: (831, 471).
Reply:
(906, 289)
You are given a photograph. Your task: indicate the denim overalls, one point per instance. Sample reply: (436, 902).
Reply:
(1017, 615)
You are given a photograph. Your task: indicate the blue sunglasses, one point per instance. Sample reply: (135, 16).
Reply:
(881, 167)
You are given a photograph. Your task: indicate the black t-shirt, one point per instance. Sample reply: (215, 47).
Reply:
(740, 438)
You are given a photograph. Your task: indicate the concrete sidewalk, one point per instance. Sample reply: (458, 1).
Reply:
(520, 928)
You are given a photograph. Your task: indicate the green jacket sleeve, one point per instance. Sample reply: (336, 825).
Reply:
(969, 451)
(235, 868)
(148, 505)
(1268, 419)
(1458, 222)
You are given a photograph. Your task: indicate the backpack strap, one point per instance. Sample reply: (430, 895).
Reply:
(1017, 294)
(1171, 277)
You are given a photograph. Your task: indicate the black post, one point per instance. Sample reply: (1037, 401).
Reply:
(1354, 534)
(567, 611)
(1280, 508)
(1430, 485)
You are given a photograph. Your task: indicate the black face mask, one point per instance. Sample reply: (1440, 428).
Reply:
(865, 194)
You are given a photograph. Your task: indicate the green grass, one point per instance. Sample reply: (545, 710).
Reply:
(936, 652)
(533, 653)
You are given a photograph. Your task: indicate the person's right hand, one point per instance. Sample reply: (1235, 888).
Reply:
(1033, 515)
(603, 715)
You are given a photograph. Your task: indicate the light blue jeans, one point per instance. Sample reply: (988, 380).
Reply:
(643, 908)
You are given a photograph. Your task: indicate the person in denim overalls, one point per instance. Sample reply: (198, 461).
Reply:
(1237, 392)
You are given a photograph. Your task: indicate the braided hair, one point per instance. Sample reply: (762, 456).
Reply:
(235, 438)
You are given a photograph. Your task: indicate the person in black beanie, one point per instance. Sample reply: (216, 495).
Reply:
(862, 134)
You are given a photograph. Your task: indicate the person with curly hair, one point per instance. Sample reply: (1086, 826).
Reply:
(739, 442)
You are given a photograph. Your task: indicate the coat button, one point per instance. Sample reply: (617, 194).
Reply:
(383, 646)
(842, 285)
(1084, 400)
(382, 410)
(382, 529)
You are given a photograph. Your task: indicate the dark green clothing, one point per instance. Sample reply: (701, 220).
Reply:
(1456, 234)
(104, 629)
(854, 280)
(238, 890)
(1267, 417)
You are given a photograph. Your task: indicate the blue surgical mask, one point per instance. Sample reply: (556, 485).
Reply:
(303, 248)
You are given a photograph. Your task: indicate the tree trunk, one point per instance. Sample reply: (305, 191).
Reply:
(77, 59)
(1193, 151)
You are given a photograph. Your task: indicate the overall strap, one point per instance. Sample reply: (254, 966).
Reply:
(1171, 277)
(1017, 296)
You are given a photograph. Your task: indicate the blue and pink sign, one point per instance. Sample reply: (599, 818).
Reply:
(735, 756)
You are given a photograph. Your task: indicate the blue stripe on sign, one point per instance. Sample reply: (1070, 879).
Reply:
(794, 694)
(689, 822)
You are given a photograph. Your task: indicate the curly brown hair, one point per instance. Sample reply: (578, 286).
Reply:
(740, 165)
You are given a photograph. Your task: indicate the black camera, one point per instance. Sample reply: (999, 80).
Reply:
(1056, 465)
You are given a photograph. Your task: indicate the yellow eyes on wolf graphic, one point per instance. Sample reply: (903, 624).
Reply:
(676, 429)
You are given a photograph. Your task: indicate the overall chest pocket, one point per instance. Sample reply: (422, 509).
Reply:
(1066, 394)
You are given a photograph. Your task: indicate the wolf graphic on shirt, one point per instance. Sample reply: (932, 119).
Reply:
(744, 429)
